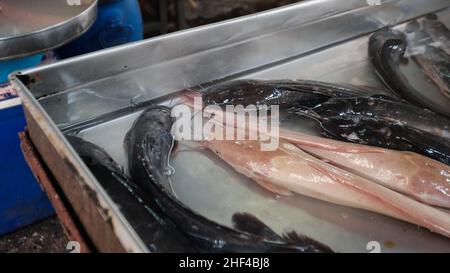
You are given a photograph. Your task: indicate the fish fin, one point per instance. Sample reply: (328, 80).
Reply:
(293, 237)
(251, 224)
(272, 187)
(288, 242)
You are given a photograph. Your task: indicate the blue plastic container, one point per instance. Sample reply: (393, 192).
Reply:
(118, 22)
(21, 199)
(8, 66)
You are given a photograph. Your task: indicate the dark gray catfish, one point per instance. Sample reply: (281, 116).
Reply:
(386, 109)
(342, 109)
(384, 122)
(149, 143)
(435, 63)
(285, 93)
(420, 78)
(158, 234)
(438, 31)
(429, 47)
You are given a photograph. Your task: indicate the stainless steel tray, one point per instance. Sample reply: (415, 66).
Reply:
(101, 94)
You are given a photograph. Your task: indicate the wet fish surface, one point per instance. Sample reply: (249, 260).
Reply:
(384, 123)
(410, 173)
(415, 64)
(386, 109)
(289, 169)
(346, 113)
(429, 47)
(346, 99)
(149, 143)
(386, 135)
(285, 93)
(158, 234)
(438, 31)
(420, 177)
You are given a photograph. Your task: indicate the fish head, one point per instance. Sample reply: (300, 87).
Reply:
(388, 41)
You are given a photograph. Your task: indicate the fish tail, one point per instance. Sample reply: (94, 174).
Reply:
(288, 242)
(292, 242)
(249, 223)
(293, 238)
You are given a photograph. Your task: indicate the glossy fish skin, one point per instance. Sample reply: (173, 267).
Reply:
(435, 63)
(429, 44)
(307, 94)
(384, 122)
(417, 176)
(389, 136)
(149, 144)
(376, 120)
(385, 109)
(285, 93)
(157, 234)
(293, 170)
(387, 49)
(438, 31)
(348, 115)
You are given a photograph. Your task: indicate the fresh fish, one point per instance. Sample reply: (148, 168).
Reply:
(377, 120)
(438, 31)
(387, 49)
(384, 123)
(410, 173)
(428, 46)
(435, 63)
(418, 176)
(344, 100)
(149, 143)
(158, 234)
(285, 93)
(386, 109)
(387, 135)
(289, 169)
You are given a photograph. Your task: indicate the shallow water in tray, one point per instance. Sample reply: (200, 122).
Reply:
(210, 187)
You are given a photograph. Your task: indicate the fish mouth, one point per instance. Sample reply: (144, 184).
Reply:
(384, 36)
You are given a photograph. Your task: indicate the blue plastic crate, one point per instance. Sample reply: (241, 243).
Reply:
(118, 22)
(22, 201)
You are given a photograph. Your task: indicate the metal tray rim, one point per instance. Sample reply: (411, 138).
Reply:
(129, 239)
